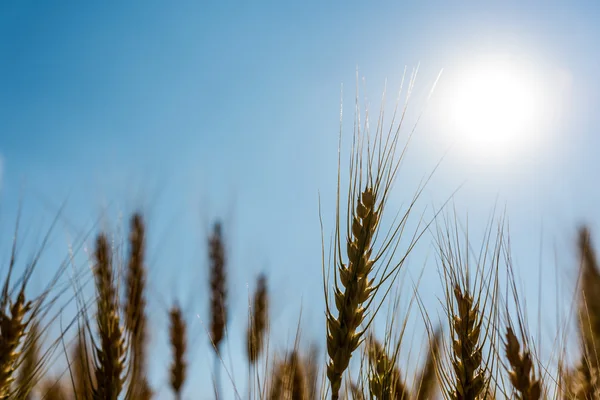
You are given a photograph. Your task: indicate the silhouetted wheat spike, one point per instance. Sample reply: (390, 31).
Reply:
(218, 291)
(467, 351)
(178, 344)
(135, 304)
(258, 320)
(522, 374)
(354, 288)
(13, 324)
(110, 355)
(385, 379)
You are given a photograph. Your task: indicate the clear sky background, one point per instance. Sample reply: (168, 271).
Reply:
(193, 112)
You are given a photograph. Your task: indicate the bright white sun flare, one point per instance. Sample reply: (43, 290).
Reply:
(496, 106)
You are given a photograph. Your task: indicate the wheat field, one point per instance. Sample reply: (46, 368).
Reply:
(479, 350)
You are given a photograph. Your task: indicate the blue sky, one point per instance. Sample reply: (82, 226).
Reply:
(192, 112)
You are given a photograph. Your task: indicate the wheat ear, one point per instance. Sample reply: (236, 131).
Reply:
(467, 349)
(135, 304)
(312, 372)
(385, 380)
(258, 320)
(13, 324)
(298, 380)
(218, 292)
(277, 381)
(178, 344)
(55, 390)
(289, 381)
(30, 362)
(82, 366)
(522, 373)
(110, 355)
(427, 380)
(354, 289)
(586, 384)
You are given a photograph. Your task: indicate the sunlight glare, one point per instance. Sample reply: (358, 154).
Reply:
(496, 106)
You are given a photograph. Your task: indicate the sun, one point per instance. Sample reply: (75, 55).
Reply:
(496, 106)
